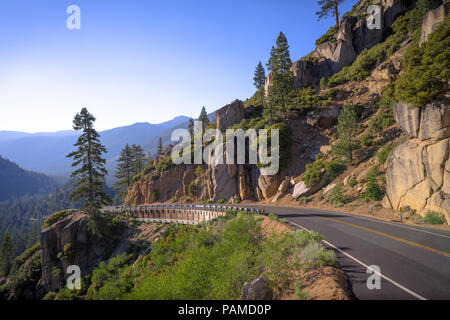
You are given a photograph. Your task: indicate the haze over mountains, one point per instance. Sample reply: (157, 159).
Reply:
(46, 152)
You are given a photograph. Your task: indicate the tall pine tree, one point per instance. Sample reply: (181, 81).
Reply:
(204, 118)
(282, 79)
(138, 158)
(125, 170)
(191, 127)
(6, 254)
(259, 80)
(329, 8)
(91, 170)
(160, 147)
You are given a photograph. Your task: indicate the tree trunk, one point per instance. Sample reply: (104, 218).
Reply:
(336, 13)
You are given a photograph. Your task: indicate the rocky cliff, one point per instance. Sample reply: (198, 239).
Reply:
(345, 42)
(418, 169)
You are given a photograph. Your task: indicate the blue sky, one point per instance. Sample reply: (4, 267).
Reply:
(135, 60)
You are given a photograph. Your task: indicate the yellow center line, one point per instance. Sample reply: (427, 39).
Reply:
(415, 244)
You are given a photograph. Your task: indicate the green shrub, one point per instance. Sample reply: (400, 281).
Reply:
(155, 195)
(333, 169)
(304, 199)
(426, 68)
(299, 292)
(367, 140)
(373, 190)
(432, 217)
(163, 164)
(198, 170)
(192, 189)
(273, 216)
(330, 35)
(313, 172)
(336, 196)
(352, 182)
(383, 153)
(323, 83)
(56, 217)
(221, 201)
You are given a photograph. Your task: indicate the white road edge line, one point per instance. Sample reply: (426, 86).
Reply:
(377, 220)
(366, 266)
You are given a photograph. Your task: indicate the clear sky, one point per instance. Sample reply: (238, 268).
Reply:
(135, 60)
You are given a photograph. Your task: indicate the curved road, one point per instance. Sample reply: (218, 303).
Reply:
(414, 261)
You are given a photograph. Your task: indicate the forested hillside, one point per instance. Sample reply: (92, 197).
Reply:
(16, 182)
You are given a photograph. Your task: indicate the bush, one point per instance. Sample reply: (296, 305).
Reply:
(56, 217)
(273, 216)
(352, 182)
(426, 69)
(432, 217)
(367, 140)
(383, 153)
(330, 35)
(198, 170)
(333, 169)
(373, 190)
(323, 83)
(221, 201)
(313, 172)
(336, 196)
(192, 189)
(155, 195)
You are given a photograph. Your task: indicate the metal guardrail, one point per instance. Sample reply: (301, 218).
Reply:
(178, 213)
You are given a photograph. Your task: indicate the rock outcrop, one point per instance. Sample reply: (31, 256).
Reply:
(432, 19)
(418, 174)
(66, 243)
(341, 50)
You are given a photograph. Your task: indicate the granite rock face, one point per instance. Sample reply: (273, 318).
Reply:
(418, 169)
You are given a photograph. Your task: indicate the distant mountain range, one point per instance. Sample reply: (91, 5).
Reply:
(16, 182)
(46, 152)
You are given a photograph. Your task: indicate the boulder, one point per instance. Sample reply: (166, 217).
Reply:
(257, 290)
(229, 115)
(300, 189)
(268, 185)
(284, 185)
(328, 189)
(435, 121)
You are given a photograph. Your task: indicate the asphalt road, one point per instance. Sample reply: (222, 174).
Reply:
(414, 261)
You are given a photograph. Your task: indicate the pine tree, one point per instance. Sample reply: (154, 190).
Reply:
(373, 190)
(6, 254)
(347, 129)
(204, 118)
(191, 127)
(125, 169)
(160, 147)
(138, 158)
(91, 173)
(259, 78)
(329, 8)
(282, 79)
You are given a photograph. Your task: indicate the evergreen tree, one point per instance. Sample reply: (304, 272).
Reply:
(125, 169)
(282, 79)
(329, 8)
(138, 158)
(91, 172)
(160, 147)
(191, 127)
(203, 118)
(259, 78)
(6, 254)
(347, 128)
(373, 190)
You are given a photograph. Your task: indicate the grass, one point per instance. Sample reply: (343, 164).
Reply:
(432, 217)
